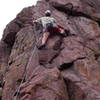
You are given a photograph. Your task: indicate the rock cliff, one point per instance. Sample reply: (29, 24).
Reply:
(68, 68)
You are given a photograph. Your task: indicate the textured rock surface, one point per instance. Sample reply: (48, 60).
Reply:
(68, 68)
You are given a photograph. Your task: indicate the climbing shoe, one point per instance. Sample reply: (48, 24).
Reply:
(41, 47)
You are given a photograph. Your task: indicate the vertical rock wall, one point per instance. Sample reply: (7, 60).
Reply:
(68, 68)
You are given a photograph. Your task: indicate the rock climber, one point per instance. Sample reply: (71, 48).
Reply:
(48, 24)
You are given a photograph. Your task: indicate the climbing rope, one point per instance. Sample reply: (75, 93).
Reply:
(25, 72)
(18, 90)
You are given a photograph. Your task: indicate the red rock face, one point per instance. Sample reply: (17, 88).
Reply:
(68, 68)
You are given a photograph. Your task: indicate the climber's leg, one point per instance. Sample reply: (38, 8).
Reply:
(46, 33)
(45, 37)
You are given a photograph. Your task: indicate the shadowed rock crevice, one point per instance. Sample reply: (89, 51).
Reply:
(74, 91)
(69, 65)
(10, 33)
(10, 39)
(97, 56)
(66, 66)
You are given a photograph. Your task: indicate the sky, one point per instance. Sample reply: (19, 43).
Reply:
(9, 9)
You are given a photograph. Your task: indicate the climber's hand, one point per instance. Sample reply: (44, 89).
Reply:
(62, 31)
(34, 21)
(67, 32)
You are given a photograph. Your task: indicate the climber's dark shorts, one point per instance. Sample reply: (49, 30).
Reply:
(48, 27)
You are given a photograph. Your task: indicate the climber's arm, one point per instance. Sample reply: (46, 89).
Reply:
(63, 31)
(54, 20)
(36, 21)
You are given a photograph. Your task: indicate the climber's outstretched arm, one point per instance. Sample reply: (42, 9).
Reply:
(35, 21)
